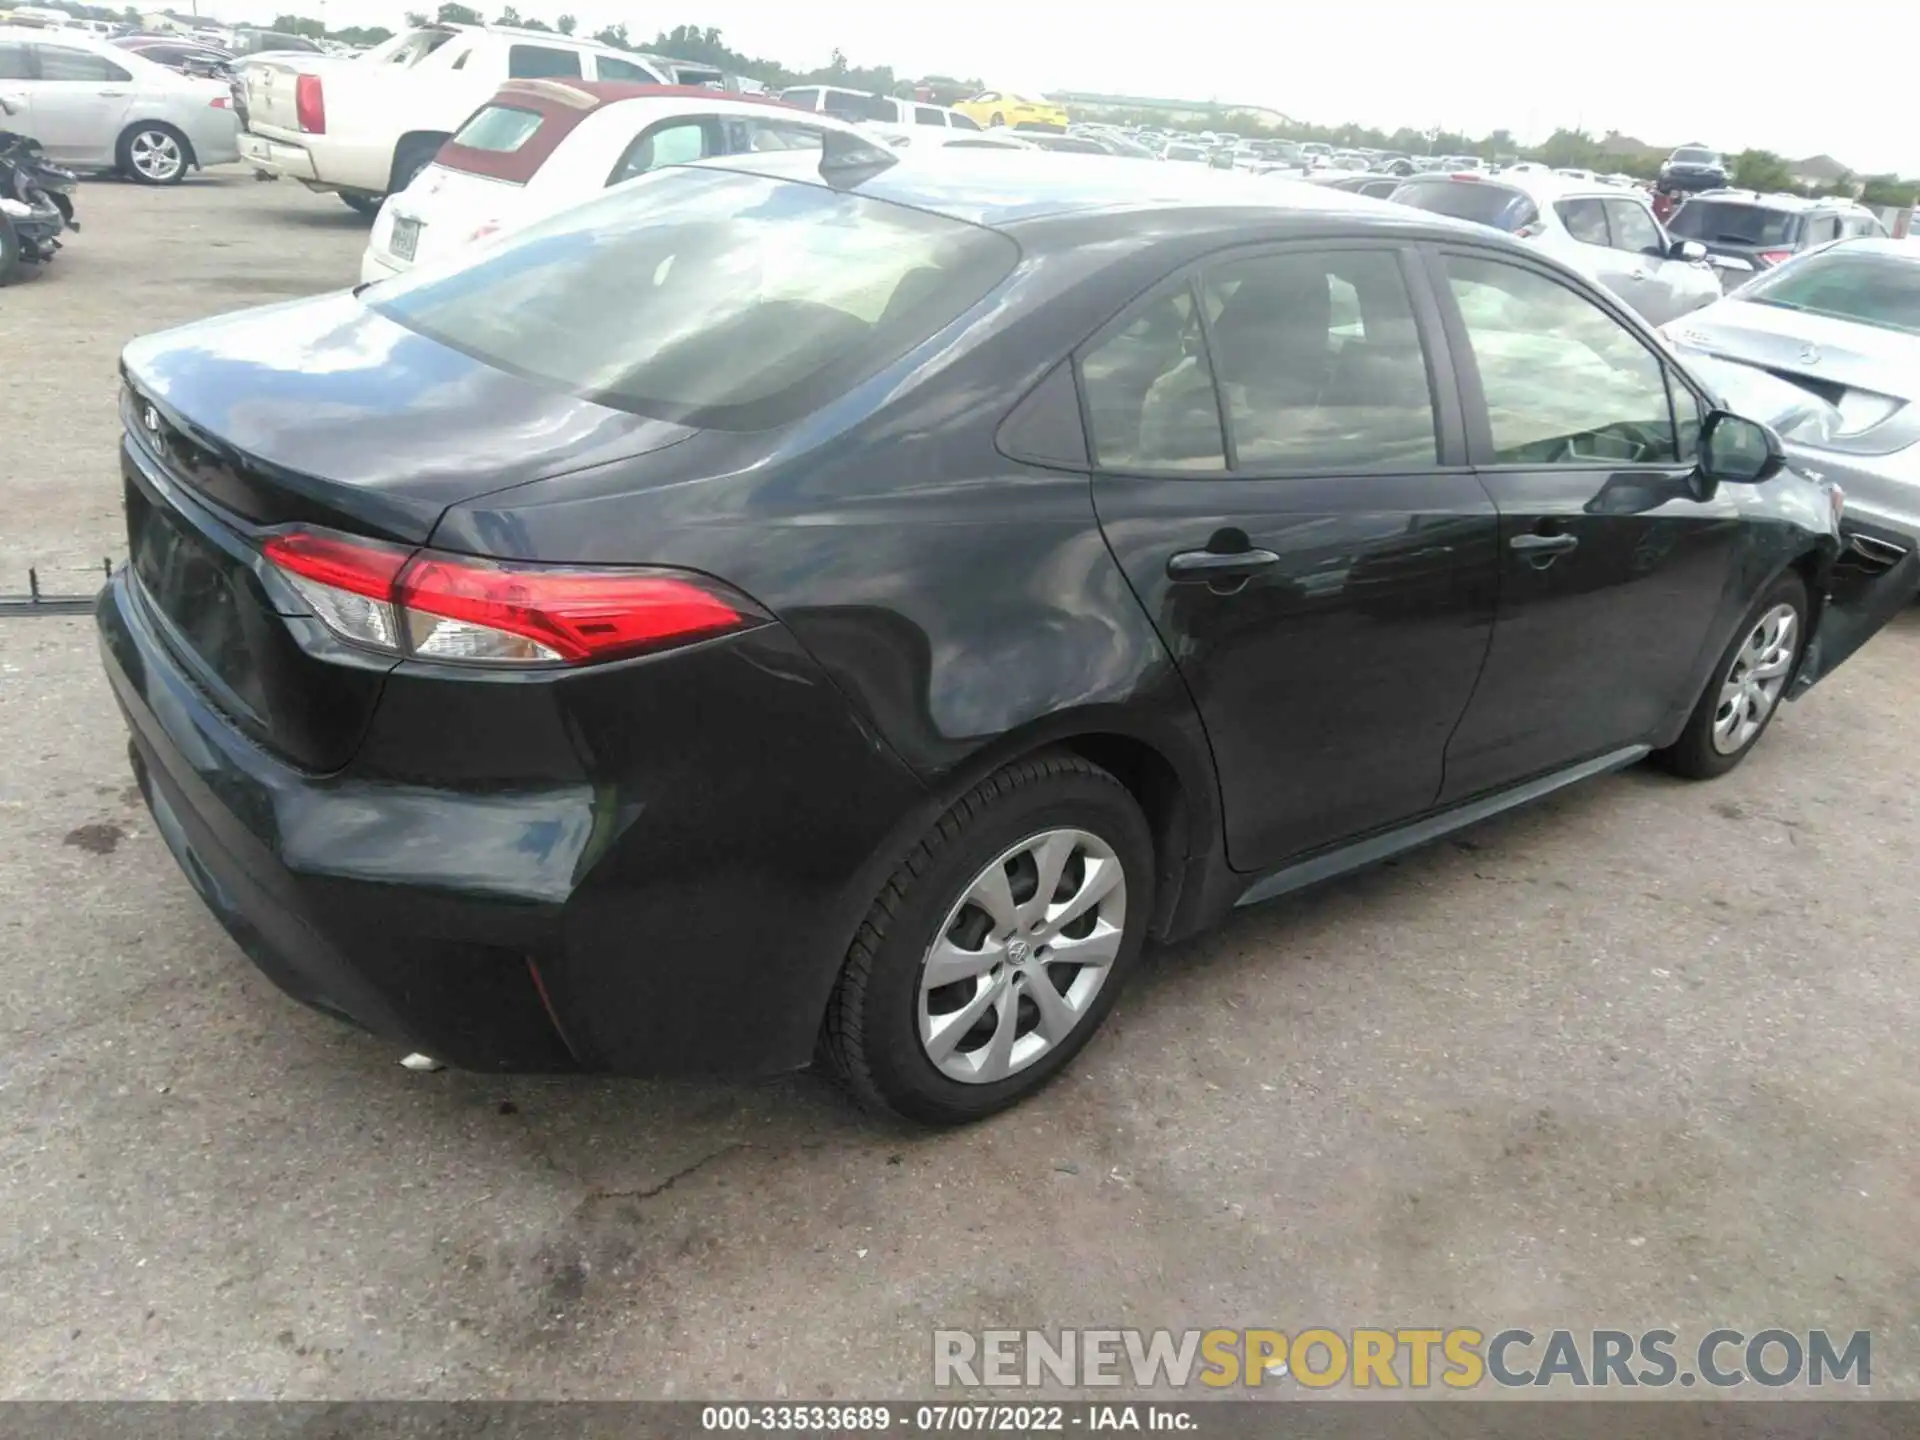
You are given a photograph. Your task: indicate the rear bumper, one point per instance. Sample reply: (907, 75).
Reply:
(294, 162)
(375, 265)
(654, 895)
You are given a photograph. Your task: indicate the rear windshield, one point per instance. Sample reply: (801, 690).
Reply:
(1496, 205)
(1728, 222)
(1848, 284)
(500, 129)
(707, 297)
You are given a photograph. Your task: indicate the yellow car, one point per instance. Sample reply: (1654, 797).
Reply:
(996, 107)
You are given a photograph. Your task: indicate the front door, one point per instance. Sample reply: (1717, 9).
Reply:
(1615, 557)
(1292, 507)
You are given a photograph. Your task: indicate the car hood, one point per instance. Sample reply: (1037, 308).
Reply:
(326, 404)
(1819, 348)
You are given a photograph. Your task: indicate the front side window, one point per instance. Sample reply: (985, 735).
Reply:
(672, 142)
(539, 62)
(59, 63)
(1320, 363)
(1585, 219)
(853, 107)
(611, 67)
(1565, 383)
(706, 297)
(1149, 392)
(927, 115)
(1634, 229)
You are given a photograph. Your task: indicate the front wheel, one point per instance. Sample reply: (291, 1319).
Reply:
(154, 154)
(1744, 692)
(997, 947)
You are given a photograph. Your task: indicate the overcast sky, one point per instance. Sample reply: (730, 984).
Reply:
(1798, 81)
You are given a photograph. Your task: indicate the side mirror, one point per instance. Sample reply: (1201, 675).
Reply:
(1737, 450)
(1688, 250)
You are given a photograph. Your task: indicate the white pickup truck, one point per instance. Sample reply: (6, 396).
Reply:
(363, 126)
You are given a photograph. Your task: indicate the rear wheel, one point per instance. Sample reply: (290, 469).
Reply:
(997, 947)
(154, 154)
(1744, 693)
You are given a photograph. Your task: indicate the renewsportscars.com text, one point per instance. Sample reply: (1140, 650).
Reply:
(1400, 1358)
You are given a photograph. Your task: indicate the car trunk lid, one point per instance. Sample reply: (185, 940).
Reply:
(441, 211)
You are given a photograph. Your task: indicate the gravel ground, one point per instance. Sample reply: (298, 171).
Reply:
(1644, 1055)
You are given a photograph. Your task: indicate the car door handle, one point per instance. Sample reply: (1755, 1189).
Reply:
(1544, 544)
(1218, 564)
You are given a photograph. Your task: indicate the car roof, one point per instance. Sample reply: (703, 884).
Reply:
(986, 187)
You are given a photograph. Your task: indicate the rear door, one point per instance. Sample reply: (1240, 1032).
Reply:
(1614, 558)
(1280, 472)
(79, 102)
(16, 75)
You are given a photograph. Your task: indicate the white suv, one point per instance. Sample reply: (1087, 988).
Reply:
(860, 107)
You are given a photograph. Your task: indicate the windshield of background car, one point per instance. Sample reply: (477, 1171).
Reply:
(706, 297)
(1696, 157)
(1846, 284)
(1728, 222)
(1496, 205)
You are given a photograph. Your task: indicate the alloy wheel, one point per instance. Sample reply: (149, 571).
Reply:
(1752, 685)
(1020, 957)
(156, 155)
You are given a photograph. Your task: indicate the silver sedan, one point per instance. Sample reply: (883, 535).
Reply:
(1843, 324)
(95, 106)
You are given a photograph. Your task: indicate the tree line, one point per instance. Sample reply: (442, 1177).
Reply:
(1754, 169)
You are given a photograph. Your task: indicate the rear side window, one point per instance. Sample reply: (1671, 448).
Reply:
(711, 298)
(1319, 362)
(538, 62)
(1149, 392)
(13, 61)
(1819, 229)
(1585, 219)
(805, 98)
(845, 105)
(745, 136)
(1497, 205)
(500, 129)
(672, 142)
(927, 115)
(962, 122)
(1729, 222)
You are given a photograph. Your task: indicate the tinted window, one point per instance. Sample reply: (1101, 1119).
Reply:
(1496, 205)
(537, 62)
(962, 122)
(1320, 363)
(1149, 392)
(611, 68)
(1565, 383)
(845, 105)
(1633, 228)
(1729, 222)
(1847, 284)
(60, 63)
(927, 115)
(711, 298)
(673, 142)
(1586, 220)
(805, 98)
(13, 61)
(499, 128)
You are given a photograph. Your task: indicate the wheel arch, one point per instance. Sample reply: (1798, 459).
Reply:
(408, 141)
(155, 122)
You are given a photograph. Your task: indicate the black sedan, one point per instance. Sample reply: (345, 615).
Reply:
(789, 607)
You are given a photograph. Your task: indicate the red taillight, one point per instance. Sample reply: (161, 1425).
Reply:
(221, 102)
(1465, 175)
(464, 609)
(1774, 257)
(310, 104)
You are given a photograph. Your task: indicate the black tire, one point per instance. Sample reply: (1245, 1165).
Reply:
(1694, 755)
(410, 159)
(9, 252)
(361, 202)
(134, 134)
(997, 121)
(871, 1034)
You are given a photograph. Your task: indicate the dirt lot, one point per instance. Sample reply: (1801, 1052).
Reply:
(1645, 1055)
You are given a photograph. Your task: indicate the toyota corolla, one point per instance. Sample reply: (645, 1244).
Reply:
(846, 606)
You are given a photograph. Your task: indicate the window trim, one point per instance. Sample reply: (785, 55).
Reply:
(1473, 400)
(1452, 453)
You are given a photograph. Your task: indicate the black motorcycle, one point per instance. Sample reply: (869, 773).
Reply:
(36, 201)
